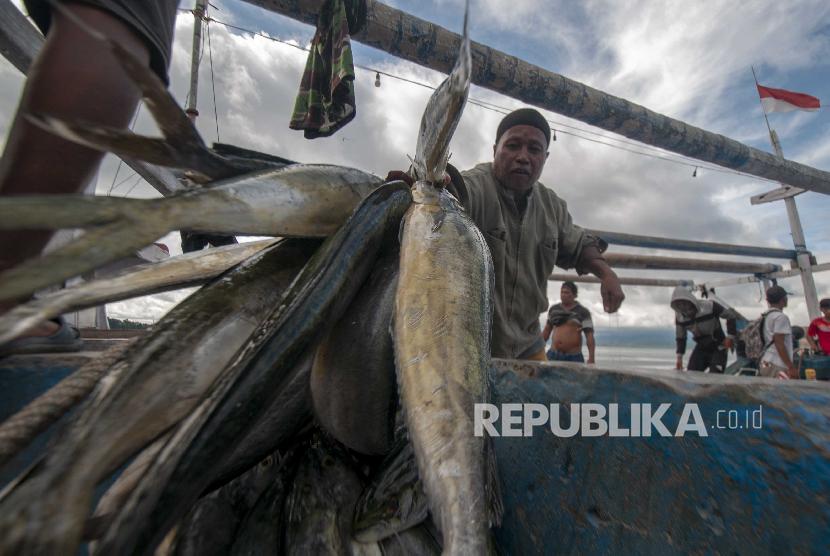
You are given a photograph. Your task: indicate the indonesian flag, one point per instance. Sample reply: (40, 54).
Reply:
(779, 100)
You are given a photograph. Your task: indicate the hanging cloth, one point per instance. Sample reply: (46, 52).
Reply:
(325, 101)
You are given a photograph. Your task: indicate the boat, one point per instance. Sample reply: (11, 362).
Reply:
(752, 479)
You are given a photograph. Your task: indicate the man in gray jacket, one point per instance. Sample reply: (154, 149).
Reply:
(528, 230)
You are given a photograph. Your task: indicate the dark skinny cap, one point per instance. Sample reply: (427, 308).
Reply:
(524, 116)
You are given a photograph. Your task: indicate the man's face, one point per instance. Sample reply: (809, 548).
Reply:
(826, 312)
(566, 295)
(519, 157)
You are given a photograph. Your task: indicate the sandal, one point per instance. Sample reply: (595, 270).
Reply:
(66, 339)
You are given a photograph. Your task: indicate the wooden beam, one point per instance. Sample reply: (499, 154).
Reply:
(649, 262)
(432, 46)
(624, 280)
(652, 242)
(20, 42)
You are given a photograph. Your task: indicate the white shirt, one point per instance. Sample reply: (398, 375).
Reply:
(777, 323)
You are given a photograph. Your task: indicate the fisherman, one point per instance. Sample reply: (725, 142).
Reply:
(528, 229)
(74, 77)
(702, 318)
(777, 360)
(567, 321)
(818, 334)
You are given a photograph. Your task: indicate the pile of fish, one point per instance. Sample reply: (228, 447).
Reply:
(315, 398)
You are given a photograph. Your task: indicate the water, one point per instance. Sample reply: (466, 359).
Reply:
(636, 358)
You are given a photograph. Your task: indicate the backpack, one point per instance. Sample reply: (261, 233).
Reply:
(753, 338)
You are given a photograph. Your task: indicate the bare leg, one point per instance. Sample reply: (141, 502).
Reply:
(75, 78)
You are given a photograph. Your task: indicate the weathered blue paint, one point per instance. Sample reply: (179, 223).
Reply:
(735, 491)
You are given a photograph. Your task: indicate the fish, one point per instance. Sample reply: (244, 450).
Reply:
(353, 379)
(174, 273)
(315, 300)
(261, 530)
(157, 382)
(285, 416)
(318, 510)
(442, 114)
(218, 519)
(294, 201)
(442, 326)
(394, 499)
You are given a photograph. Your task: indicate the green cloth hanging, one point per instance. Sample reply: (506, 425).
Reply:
(325, 101)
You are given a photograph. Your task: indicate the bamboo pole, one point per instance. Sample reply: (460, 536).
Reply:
(432, 46)
(649, 262)
(624, 280)
(652, 242)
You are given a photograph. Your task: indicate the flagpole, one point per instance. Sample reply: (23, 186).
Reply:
(803, 258)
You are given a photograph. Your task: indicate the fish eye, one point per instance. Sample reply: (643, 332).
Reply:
(267, 462)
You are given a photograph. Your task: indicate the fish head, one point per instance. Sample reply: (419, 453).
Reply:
(442, 115)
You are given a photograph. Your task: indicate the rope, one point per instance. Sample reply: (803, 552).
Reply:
(21, 428)
(212, 82)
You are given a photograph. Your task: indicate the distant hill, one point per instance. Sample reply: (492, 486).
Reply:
(636, 337)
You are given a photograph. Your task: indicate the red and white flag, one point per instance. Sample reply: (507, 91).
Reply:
(779, 100)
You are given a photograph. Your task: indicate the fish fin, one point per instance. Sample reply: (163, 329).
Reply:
(495, 503)
(95, 248)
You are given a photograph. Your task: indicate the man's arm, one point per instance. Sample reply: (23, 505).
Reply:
(781, 348)
(680, 340)
(610, 289)
(589, 339)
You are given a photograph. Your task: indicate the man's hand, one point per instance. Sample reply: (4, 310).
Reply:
(679, 364)
(611, 291)
(792, 371)
(728, 343)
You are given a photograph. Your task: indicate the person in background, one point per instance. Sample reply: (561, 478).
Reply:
(777, 360)
(818, 334)
(567, 321)
(702, 319)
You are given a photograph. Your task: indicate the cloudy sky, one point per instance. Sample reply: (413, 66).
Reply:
(688, 60)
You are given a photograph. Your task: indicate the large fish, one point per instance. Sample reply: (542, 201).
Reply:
(173, 273)
(443, 312)
(157, 382)
(295, 201)
(353, 378)
(315, 301)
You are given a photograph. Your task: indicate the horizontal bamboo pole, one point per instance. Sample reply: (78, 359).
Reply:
(753, 279)
(652, 242)
(432, 46)
(624, 280)
(650, 262)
